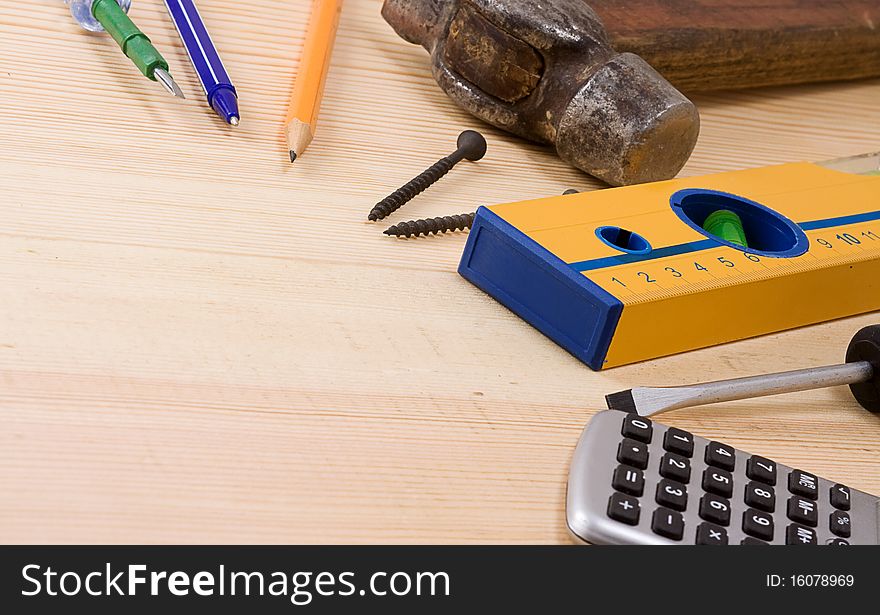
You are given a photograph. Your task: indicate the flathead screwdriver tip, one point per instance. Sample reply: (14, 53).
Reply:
(164, 78)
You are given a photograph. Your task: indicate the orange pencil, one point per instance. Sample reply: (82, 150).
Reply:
(305, 102)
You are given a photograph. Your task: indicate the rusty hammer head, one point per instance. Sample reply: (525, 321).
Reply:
(544, 70)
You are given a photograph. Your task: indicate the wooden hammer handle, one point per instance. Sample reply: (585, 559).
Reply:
(717, 44)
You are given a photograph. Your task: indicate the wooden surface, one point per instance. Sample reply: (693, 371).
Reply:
(202, 343)
(715, 44)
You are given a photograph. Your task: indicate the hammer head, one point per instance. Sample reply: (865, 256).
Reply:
(543, 69)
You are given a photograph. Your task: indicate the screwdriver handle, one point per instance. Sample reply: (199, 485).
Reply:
(865, 346)
(134, 43)
(82, 13)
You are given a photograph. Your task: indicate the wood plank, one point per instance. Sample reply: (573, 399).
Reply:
(202, 343)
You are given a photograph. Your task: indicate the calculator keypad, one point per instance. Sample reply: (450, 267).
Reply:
(668, 484)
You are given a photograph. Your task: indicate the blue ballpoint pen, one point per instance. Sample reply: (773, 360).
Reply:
(205, 59)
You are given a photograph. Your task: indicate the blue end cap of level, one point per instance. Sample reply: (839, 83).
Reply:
(540, 288)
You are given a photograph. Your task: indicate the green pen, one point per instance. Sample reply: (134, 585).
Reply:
(112, 16)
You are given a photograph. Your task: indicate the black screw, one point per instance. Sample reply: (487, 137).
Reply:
(432, 226)
(471, 145)
(443, 224)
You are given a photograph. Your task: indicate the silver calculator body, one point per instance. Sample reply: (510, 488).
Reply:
(596, 460)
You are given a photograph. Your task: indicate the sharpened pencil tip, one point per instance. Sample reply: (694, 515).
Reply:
(292, 156)
(168, 82)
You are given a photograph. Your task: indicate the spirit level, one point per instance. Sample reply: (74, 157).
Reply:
(627, 274)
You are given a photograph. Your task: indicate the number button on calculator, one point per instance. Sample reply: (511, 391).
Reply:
(758, 524)
(678, 442)
(717, 481)
(721, 456)
(635, 481)
(761, 469)
(637, 428)
(715, 509)
(675, 467)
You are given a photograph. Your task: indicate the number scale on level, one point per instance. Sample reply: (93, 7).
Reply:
(714, 267)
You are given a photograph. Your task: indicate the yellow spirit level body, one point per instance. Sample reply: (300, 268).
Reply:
(626, 274)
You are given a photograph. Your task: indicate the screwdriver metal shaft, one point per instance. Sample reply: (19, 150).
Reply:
(650, 400)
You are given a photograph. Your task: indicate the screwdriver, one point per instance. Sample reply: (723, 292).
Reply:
(861, 372)
(112, 16)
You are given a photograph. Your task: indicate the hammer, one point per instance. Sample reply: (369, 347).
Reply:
(544, 70)
(547, 70)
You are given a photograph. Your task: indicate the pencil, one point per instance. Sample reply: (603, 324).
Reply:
(305, 101)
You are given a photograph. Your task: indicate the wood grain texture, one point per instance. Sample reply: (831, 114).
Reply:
(717, 44)
(200, 342)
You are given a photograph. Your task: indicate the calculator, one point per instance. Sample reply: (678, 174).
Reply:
(634, 481)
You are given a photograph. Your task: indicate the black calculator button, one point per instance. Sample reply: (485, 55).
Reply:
(623, 508)
(668, 523)
(637, 428)
(672, 494)
(629, 480)
(679, 442)
(800, 535)
(801, 483)
(837, 542)
(761, 469)
(748, 541)
(840, 524)
(718, 481)
(715, 509)
(802, 510)
(633, 453)
(709, 534)
(840, 497)
(675, 467)
(760, 496)
(720, 455)
(758, 524)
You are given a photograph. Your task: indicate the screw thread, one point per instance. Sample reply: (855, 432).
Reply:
(432, 226)
(419, 184)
